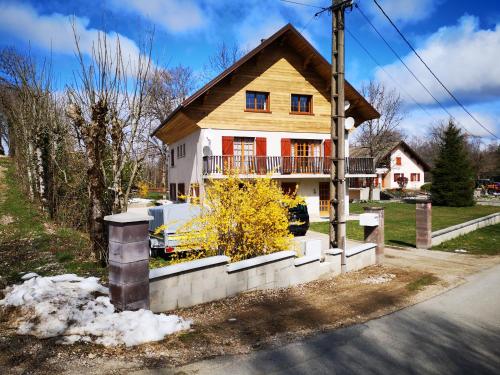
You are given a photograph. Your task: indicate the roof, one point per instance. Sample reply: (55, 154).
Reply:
(385, 153)
(360, 109)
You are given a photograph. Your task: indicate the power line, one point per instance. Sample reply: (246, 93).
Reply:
(308, 22)
(404, 64)
(299, 3)
(430, 70)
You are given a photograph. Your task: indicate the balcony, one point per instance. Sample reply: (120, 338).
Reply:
(283, 165)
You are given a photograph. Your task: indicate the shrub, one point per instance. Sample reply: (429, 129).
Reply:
(143, 189)
(426, 187)
(240, 218)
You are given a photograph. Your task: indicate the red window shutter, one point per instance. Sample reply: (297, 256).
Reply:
(327, 148)
(286, 151)
(286, 147)
(227, 146)
(260, 147)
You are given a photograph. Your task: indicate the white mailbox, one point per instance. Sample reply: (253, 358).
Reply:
(368, 220)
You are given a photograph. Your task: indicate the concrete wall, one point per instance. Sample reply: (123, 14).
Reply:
(454, 231)
(213, 278)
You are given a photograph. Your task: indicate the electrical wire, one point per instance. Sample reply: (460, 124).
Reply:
(430, 70)
(304, 4)
(406, 66)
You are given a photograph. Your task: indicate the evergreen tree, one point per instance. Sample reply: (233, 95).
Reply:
(452, 176)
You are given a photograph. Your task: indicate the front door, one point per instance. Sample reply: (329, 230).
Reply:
(324, 198)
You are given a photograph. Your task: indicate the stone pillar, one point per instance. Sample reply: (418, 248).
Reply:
(423, 224)
(129, 260)
(376, 234)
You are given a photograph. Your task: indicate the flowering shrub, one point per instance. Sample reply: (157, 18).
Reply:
(143, 189)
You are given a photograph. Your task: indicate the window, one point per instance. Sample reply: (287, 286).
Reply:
(244, 152)
(181, 191)
(415, 177)
(397, 176)
(172, 160)
(306, 147)
(301, 104)
(398, 160)
(181, 151)
(172, 191)
(257, 101)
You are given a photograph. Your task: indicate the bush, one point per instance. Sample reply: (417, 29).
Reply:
(240, 218)
(426, 187)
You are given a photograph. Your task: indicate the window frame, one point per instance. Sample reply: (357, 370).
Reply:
(299, 112)
(268, 102)
(172, 158)
(181, 151)
(399, 161)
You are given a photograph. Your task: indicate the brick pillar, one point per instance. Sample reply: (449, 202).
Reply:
(129, 260)
(423, 224)
(376, 234)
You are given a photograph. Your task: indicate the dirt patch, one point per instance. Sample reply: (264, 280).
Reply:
(6, 220)
(236, 325)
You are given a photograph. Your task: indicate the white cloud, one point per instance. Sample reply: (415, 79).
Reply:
(406, 11)
(54, 32)
(173, 15)
(463, 56)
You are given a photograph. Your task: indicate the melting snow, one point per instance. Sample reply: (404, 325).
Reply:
(78, 309)
(385, 278)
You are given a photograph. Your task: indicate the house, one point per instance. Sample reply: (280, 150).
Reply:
(397, 160)
(268, 114)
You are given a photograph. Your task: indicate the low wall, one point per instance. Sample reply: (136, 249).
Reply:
(454, 231)
(205, 280)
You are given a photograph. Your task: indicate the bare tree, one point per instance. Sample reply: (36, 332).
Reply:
(378, 134)
(224, 56)
(107, 109)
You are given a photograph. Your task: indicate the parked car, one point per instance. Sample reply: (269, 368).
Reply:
(298, 220)
(173, 216)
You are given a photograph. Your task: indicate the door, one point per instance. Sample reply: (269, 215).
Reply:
(289, 188)
(324, 198)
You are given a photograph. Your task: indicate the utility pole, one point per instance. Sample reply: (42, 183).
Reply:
(337, 171)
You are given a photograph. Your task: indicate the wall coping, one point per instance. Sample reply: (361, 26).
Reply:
(359, 249)
(305, 260)
(334, 251)
(463, 225)
(191, 266)
(260, 260)
(127, 217)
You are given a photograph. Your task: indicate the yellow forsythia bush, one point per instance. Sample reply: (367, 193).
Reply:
(143, 189)
(240, 218)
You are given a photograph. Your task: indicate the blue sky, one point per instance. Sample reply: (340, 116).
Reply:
(459, 39)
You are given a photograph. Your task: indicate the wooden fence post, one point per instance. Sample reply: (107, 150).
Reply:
(129, 260)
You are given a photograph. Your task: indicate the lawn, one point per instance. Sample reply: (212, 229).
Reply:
(29, 242)
(482, 241)
(400, 220)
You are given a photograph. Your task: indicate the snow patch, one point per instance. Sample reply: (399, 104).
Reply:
(78, 309)
(385, 278)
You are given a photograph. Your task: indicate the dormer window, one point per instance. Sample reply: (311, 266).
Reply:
(301, 104)
(257, 101)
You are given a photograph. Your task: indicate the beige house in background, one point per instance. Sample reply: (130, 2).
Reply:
(396, 161)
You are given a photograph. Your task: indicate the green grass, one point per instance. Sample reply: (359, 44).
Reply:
(31, 243)
(400, 220)
(422, 282)
(485, 241)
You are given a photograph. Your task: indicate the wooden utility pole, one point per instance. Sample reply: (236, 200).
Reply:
(337, 172)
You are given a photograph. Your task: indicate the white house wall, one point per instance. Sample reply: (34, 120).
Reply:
(189, 169)
(407, 167)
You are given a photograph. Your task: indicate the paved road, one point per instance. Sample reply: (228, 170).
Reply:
(455, 333)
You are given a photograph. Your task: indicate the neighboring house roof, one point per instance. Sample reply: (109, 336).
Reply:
(360, 109)
(382, 155)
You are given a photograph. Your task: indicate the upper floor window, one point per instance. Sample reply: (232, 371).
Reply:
(172, 160)
(181, 151)
(257, 101)
(301, 104)
(398, 160)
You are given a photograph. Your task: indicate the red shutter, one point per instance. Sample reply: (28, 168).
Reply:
(261, 154)
(327, 151)
(227, 153)
(286, 151)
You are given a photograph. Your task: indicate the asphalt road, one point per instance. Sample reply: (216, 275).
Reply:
(457, 332)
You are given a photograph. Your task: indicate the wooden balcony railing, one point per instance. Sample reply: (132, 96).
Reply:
(282, 165)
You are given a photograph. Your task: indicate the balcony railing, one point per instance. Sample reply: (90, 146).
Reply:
(282, 165)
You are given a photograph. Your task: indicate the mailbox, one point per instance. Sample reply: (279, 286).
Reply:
(368, 220)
